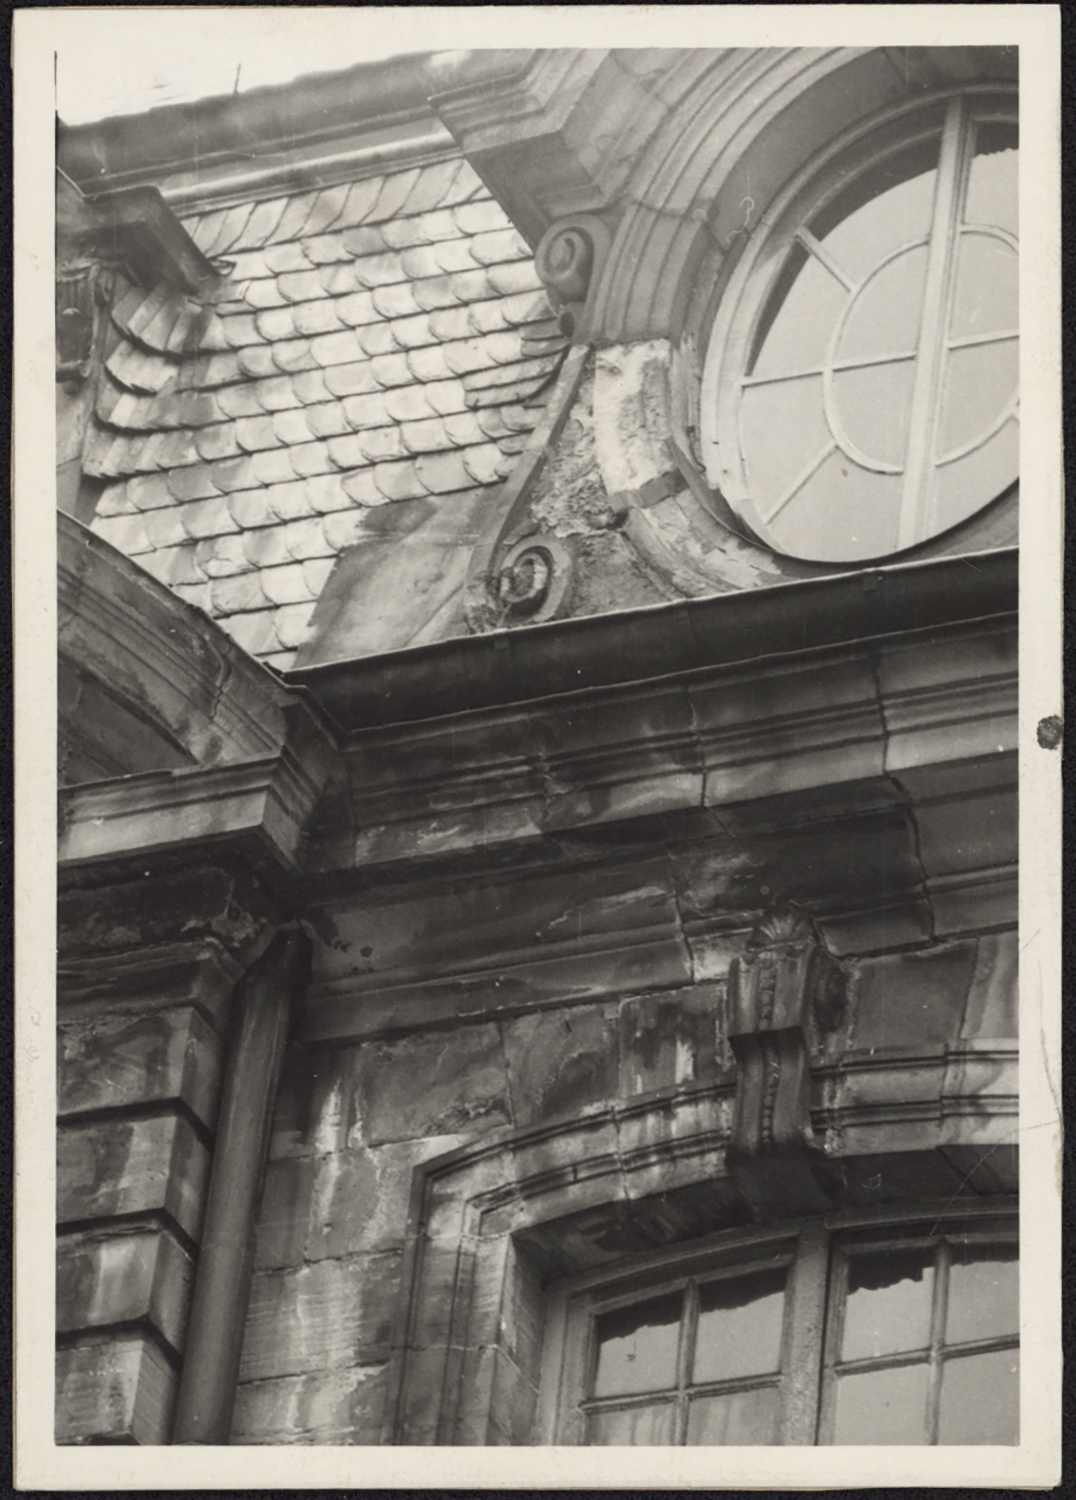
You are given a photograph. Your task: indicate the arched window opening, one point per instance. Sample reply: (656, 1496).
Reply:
(862, 389)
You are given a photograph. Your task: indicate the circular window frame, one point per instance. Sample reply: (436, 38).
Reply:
(750, 282)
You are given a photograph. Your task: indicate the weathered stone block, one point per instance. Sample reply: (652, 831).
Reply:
(360, 1199)
(670, 1039)
(328, 1315)
(124, 1278)
(441, 1084)
(331, 1406)
(285, 1211)
(317, 1102)
(560, 1061)
(522, 1313)
(906, 922)
(993, 997)
(830, 864)
(109, 1063)
(197, 902)
(417, 1421)
(200, 974)
(987, 1169)
(640, 960)
(968, 833)
(497, 1401)
(132, 1166)
(913, 997)
(527, 920)
(884, 1175)
(440, 1265)
(122, 1391)
(968, 903)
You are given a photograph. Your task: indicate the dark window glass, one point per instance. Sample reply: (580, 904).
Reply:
(739, 1327)
(888, 1303)
(637, 1347)
(882, 1406)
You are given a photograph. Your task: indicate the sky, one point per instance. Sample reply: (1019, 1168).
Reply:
(128, 61)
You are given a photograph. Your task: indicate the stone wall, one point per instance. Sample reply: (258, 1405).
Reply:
(915, 1095)
(147, 972)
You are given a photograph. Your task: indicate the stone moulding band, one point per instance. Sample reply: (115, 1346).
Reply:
(475, 1211)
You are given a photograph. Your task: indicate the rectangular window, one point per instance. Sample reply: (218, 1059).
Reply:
(826, 1334)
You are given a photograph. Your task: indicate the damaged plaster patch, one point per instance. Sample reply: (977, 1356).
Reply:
(631, 406)
(571, 498)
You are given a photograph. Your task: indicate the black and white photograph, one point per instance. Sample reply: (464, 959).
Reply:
(534, 955)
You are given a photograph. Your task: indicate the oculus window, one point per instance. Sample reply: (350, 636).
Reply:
(890, 1336)
(861, 388)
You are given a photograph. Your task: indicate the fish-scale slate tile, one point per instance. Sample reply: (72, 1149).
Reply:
(127, 533)
(305, 539)
(242, 591)
(222, 557)
(284, 585)
(251, 508)
(292, 623)
(255, 632)
(375, 342)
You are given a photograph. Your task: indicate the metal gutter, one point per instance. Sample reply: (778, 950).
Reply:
(566, 656)
(266, 998)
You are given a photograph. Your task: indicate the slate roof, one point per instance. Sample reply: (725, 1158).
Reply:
(377, 341)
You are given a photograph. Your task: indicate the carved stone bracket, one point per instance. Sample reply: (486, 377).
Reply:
(569, 260)
(82, 288)
(786, 993)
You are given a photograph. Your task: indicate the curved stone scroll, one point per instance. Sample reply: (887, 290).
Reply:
(517, 576)
(532, 578)
(569, 259)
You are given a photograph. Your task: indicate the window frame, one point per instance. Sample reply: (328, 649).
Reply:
(733, 343)
(817, 1252)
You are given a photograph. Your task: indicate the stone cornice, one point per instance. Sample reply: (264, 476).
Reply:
(123, 823)
(165, 661)
(315, 131)
(899, 713)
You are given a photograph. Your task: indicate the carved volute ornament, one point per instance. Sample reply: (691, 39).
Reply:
(786, 993)
(569, 259)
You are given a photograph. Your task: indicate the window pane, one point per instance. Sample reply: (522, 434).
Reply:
(884, 318)
(637, 1426)
(888, 1304)
(986, 298)
(980, 1399)
(800, 318)
(739, 1328)
(980, 382)
(744, 1418)
(884, 208)
(981, 475)
(873, 405)
(637, 1347)
(842, 513)
(780, 424)
(983, 1298)
(992, 183)
(882, 1406)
